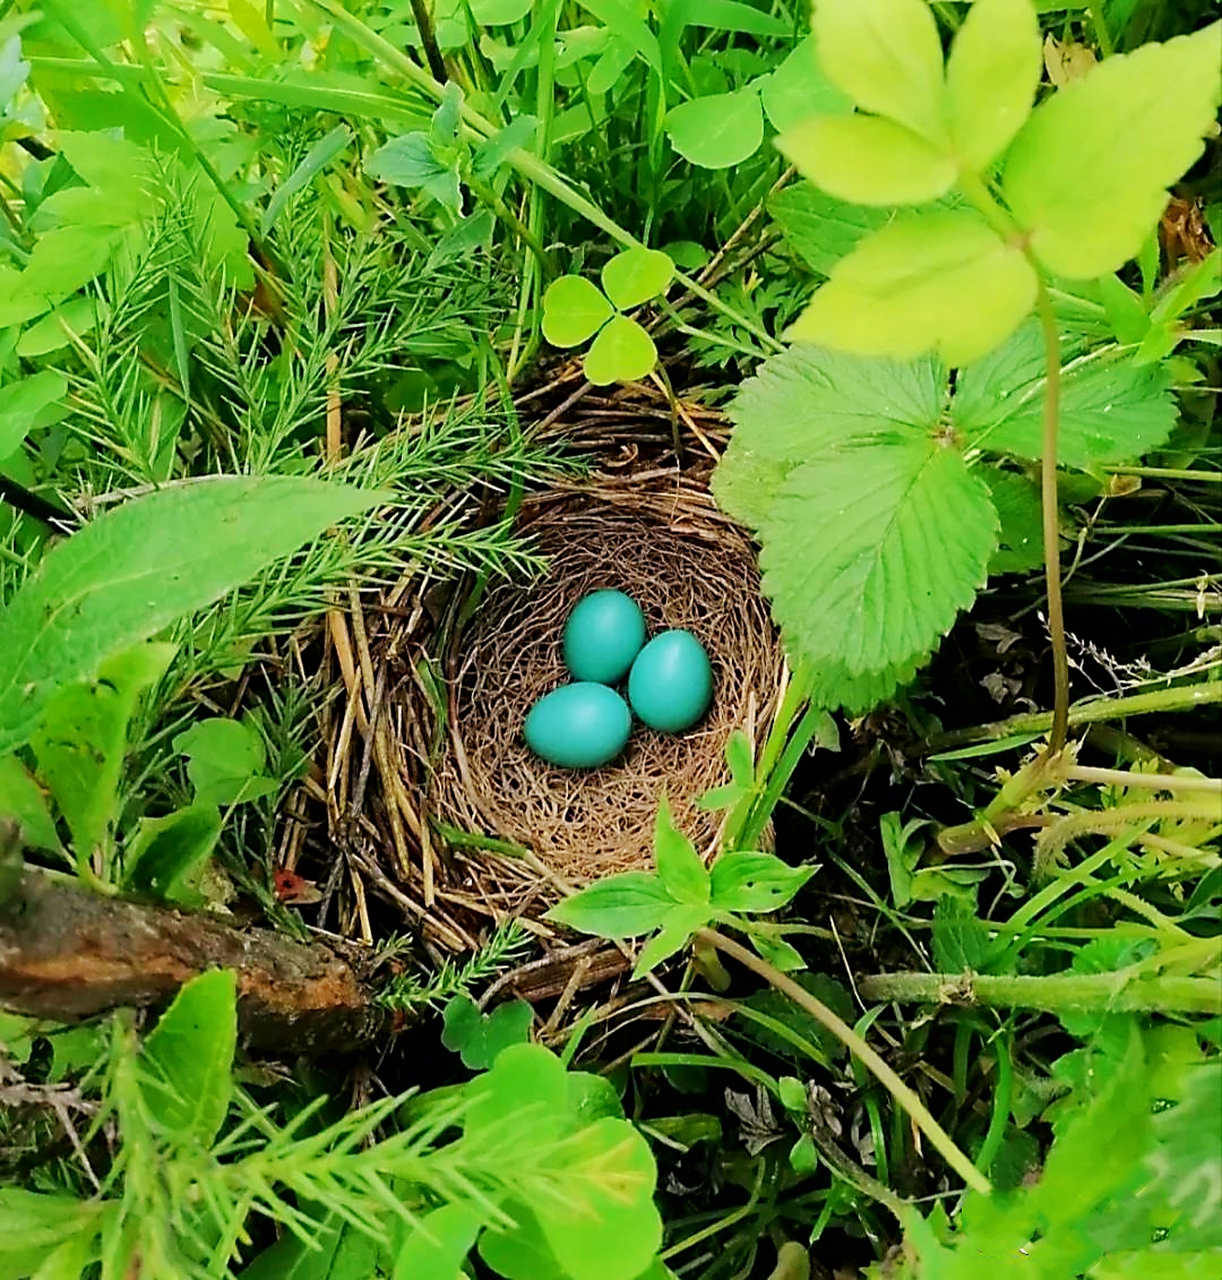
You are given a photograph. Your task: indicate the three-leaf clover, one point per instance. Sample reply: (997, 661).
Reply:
(574, 310)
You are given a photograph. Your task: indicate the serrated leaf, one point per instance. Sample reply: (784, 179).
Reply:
(622, 906)
(636, 275)
(189, 1059)
(141, 566)
(622, 352)
(868, 160)
(944, 281)
(810, 399)
(718, 130)
(887, 56)
(849, 536)
(683, 874)
(835, 686)
(1087, 176)
(1020, 538)
(798, 89)
(573, 310)
(1111, 409)
(991, 77)
(822, 228)
(755, 882)
(960, 939)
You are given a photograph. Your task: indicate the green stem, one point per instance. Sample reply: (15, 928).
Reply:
(1002, 1094)
(1051, 512)
(505, 214)
(1169, 473)
(903, 1095)
(1090, 711)
(1099, 22)
(1058, 993)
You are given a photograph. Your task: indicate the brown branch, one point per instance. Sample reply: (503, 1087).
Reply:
(67, 953)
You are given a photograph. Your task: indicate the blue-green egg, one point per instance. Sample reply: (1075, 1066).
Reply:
(603, 635)
(671, 683)
(579, 726)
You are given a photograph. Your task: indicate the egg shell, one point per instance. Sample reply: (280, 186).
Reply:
(578, 726)
(671, 682)
(603, 635)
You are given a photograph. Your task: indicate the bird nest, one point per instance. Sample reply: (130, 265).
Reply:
(445, 811)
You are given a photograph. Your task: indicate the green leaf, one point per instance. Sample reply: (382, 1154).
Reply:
(868, 160)
(498, 13)
(1020, 540)
(36, 1223)
(436, 1248)
(622, 352)
(406, 161)
(480, 1038)
(336, 1250)
(1088, 175)
(821, 228)
(636, 275)
(887, 56)
(520, 1252)
(777, 952)
(944, 281)
(718, 130)
(526, 1087)
(1126, 312)
(675, 933)
(13, 70)
(991, 77)
(164, 856)
(189, 1054)
(70, 1261)
(139, 567)
(755, 882)
(622, 906)
(225, 760)
(71, 321)
(490, 155)
(960, 939)
(573, 310)
(322, 153)
(798, 89)
(1111, 409)
(680, 869)
(1186, 1162)
(81, 740)
(22, 799)
(811, 399)
(63, 260)
(607, 1227)
(23, 401)
(850, 535)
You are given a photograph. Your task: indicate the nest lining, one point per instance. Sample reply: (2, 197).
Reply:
(662, 542)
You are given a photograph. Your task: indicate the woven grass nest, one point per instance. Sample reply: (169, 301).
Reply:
(468, 819)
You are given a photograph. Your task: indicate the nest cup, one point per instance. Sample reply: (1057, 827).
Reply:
(660, 540)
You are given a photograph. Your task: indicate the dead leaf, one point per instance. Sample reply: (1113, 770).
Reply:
(1066, 62)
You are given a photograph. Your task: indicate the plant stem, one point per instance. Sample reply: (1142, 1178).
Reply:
(1114, 992)
(1090, 711)
(428, 41)
(1051, 511)
(903, 1095)
(1099, 22)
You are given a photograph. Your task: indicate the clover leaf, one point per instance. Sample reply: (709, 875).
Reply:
(575, 310)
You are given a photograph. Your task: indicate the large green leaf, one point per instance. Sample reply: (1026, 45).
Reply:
(163, 857)
(437, 1246)
(622, 906)
(869, 160)
(807, 400)
(1087, 177)
(189, 1059)
(991, 75)
(718, 130)
(141, 566)
(636, 275)
(81, 740)
(887, 56)
(941, 281)
(1112, 410)
(680, 868)
(24, 400)
(22, 799)
(870, 552)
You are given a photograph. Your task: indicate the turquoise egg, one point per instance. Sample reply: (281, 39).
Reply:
(579, 726)
(671, 683)
(603, 635)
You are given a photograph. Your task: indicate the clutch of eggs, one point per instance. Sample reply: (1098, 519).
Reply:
(587, 724)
